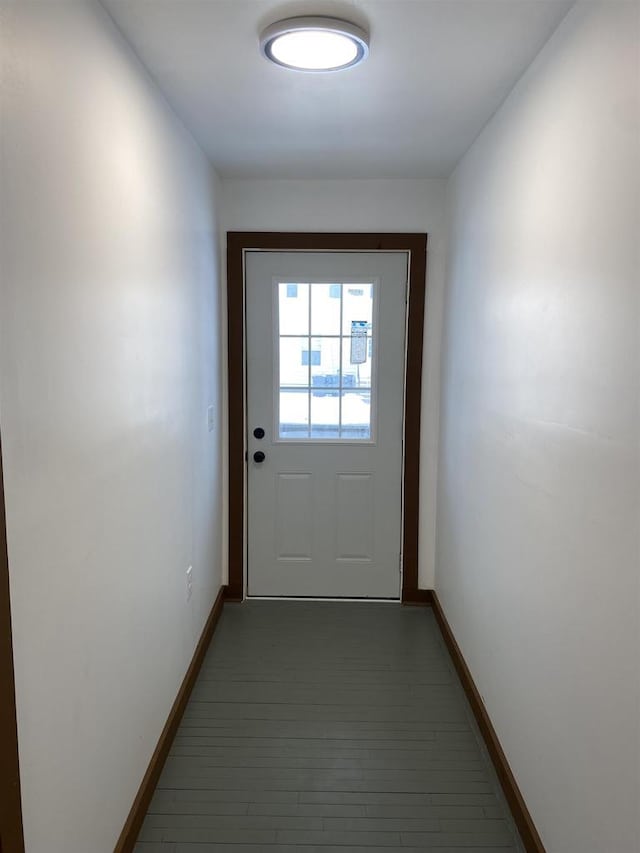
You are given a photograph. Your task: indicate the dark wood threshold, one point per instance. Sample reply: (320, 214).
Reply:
(131, 830)
(234, 590)
(419, 598)
(519, 810)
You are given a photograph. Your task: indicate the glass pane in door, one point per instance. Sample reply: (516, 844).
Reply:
(325, 361)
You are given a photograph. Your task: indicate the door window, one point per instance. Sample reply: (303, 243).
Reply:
(325, 366)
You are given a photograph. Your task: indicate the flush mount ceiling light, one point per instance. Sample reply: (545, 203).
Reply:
(314, 44)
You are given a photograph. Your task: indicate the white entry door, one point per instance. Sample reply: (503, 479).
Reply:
(325, 397)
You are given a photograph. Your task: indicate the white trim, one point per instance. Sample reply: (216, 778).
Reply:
(315, 598)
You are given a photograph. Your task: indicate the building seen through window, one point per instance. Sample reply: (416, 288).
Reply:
(325, 347)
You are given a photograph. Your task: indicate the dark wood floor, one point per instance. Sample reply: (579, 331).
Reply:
(327, 727)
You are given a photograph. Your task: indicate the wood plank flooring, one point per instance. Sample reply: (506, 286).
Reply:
(334, 727)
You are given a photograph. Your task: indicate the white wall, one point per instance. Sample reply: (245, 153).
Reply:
(109, 357)
(538, 516)
(375, 206)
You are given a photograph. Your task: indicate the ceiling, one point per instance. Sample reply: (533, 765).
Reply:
(436, 72)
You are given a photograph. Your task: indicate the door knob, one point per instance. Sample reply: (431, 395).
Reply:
(258, 432)
(259, 456)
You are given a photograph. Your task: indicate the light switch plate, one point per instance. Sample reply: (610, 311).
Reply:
(210, 419)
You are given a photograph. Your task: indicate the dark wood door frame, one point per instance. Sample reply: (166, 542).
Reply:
(11, 836)
(238, 244)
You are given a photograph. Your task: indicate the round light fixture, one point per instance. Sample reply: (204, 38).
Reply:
(314, 44)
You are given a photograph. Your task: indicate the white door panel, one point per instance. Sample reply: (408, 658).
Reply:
(325, 380)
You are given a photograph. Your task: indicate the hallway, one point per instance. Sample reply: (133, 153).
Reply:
(327, 726)
(149, 150)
